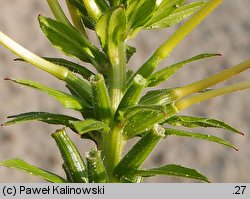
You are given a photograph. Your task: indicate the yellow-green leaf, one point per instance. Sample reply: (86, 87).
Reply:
(32, 170)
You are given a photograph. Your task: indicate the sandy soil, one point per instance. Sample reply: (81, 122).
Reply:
(227, 31)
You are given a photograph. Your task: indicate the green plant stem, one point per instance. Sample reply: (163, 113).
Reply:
(76, 18)
(165, 49)
(185, 103)
(210, 81)
(58, 12)
(118, 77)
(58, 71)
(140, 151)
(112, 147)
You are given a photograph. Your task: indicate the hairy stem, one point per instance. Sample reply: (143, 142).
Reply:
(118, 78)
(112, 147)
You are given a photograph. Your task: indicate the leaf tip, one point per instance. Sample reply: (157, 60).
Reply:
(241, 133)
(7, 78)
(236, 149)
(18, 59)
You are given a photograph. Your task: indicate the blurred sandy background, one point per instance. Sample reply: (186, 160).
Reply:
(226, 31)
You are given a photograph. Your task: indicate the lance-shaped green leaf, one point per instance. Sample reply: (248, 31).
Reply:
(211, 138)
(145, 120)
(67, 100)
(112, 28)
(95, 8)
(49, 118)
(96, 169)
(32, 170)
(166, 73)
(101, 99)
(76, 17)
(80, 87)
(129, 112)
(89, 125)
(157, 97)
(87, 20)
(139, 152)
(134, 92)
(73, 67)
(58, 12)
(73, 163)
(138, 14)
(173, 170)
(192, 122)
(174, 14)
(163, 9)
(71, 42)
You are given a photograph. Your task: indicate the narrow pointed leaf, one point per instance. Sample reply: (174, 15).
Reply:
(49, 118)
(112, 28)
(163, 10)
(129, 112)
(167, 72)
(73, 165)
(32, 170)
(192, 122)
(181, 13)
(139, 152)
(71, 42)
(173, 170)
(210, 138)
(144, 120)
(67, 100)
(88, 22)
(74, 67)
(79, 5)
(138, 14)
(96, 169)
(76, 17)
(89, 125)
(133, 93)
(157, 97)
